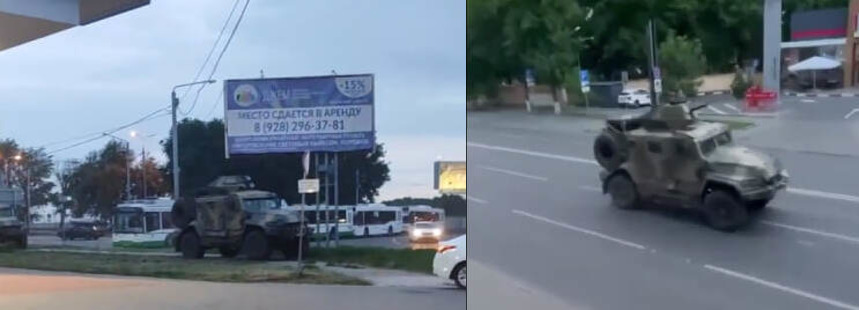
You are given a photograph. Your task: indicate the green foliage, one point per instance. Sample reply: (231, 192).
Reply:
(682, 63)
(404, 259)
(97, 185)
(739, 85)
(29, 172)
(453, 205)
(202, 160)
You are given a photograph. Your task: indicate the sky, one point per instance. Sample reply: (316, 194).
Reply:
(93, 78)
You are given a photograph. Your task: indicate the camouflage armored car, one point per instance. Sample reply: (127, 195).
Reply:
(11, 229)
(669, 157)
(233, 217)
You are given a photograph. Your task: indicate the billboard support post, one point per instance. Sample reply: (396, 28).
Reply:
(174, 104)
(336, 199)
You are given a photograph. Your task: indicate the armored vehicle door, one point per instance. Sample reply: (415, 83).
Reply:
(220, 216)
(683, 169)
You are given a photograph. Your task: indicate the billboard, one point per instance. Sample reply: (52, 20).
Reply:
(450, 176)
(285, 115)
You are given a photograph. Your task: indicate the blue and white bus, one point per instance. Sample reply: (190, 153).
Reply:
(377, 219)
(143, 223)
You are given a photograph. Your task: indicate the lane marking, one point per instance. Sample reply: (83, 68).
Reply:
(514, 173)
(812, 231)
(477, 200)
(729, 106)
(787, 289)
(821, 194)
(712, 108)
(792, 190)
(807, 100)
(581, 230)
(851, 113)
(591, 188)
(531, 153)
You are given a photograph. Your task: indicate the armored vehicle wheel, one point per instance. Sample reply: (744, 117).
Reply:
(190, 245)
(228, 252)
(724, 211)
(256, 245)
(622, 191)
(757, 205)
(607, 152)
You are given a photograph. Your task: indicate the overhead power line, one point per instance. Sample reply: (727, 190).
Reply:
(221, 55)
(214, 46)
(101, 134)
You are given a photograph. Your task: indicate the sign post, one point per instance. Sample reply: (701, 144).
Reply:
(584, 79)
(529, 82)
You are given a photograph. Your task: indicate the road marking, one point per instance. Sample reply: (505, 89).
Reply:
(812, 231)
(729, 106)
(815, 193)
(591, 188)
(807, 100)
(581, 230)
(514, 173)
(711, 108)
(818, 298)
(477, 200)
(851, 113)
(792, 190)
(531, 153)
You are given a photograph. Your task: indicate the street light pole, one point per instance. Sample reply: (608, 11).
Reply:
(175, 133)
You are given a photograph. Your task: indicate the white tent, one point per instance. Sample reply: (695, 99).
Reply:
(814, 63)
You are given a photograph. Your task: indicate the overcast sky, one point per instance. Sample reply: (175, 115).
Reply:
(92, 78)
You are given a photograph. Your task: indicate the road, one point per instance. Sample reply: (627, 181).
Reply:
(538, 214)
(41, 290)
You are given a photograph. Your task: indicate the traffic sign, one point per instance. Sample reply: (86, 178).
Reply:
(657, 74)
(657, 85)
(308, 186)
(583, 77)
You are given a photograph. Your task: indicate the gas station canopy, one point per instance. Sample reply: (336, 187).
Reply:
(22, 21)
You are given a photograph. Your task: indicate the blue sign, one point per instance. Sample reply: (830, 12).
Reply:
(583, 78)
(529, 77)
(285, 115)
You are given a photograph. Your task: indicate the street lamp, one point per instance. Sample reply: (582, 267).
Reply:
(175, 132)
(135, 134)
(127, 165)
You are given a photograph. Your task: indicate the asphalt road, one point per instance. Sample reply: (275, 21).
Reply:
(42, 290)
(537, 214)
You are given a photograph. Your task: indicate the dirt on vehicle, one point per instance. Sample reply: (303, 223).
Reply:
(235, 218)
(667, 156)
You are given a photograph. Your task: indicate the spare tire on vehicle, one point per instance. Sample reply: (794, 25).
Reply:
(608, 151)
(184, 211)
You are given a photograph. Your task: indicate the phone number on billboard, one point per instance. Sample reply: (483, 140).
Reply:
(298, 126)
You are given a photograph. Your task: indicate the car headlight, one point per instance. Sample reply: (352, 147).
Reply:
(416, 233)
(436, 232)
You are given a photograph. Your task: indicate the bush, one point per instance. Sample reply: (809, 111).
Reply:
(682, 63)
(740, 85)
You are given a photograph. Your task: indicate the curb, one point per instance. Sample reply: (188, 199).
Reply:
(714, 92)
(816, 95)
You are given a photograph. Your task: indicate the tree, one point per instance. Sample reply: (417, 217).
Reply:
(62, 200)
(29, 170)
(156, 184)
(682, 63)
(544, 35)
(486, 66)
(98, 184)
(202, 160)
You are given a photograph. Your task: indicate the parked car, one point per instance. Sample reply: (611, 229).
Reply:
(426, 231)
(633, 98)
(81, 230)
(449, 261)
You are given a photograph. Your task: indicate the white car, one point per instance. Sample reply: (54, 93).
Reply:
(633, 97)
(449, 261)
(425, 231)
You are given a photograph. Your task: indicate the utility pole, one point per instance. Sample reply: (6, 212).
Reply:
(175, 133)
(653, 62)
(318, 176)
(337, 199)
(357, 185)
(143, 170)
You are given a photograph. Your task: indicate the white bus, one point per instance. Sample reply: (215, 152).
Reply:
(420, 213)
(377, 219)
(325, 220)
(143, 223)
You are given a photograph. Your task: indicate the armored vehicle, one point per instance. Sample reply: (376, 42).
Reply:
(669, 157)
(11, 229)
(233, 217)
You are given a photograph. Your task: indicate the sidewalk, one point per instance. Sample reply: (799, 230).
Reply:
(492, 289)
